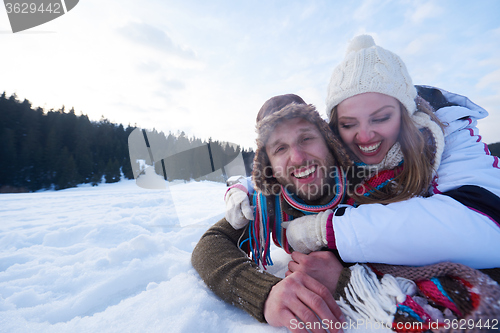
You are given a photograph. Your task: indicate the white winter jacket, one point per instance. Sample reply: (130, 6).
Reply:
(458, 227)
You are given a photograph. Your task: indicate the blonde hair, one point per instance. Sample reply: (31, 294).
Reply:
(418, 148)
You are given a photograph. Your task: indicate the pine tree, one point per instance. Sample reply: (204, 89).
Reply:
(112, 173)
(67, 173)
(8, 160)
(83, 153)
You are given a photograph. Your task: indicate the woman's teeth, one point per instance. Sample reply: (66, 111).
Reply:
(305, 173)
(369, 149)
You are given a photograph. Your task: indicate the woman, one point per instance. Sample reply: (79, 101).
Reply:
(439, 191)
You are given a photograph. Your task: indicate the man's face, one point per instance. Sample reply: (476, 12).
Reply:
(300, 159)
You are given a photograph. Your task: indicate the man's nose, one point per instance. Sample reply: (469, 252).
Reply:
(297, 155)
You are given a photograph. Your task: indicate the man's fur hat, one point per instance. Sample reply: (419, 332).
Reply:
(274, 111)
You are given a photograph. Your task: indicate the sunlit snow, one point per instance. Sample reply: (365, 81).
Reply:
(111, 258)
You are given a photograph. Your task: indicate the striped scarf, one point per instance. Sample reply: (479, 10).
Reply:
(271, 220)
(377, 182)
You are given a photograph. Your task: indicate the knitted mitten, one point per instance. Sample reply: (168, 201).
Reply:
(238, 209)
(308, 233)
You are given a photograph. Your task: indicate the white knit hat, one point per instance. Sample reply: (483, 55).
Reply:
(370, 68)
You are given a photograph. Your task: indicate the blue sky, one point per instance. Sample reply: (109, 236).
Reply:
(206, 68)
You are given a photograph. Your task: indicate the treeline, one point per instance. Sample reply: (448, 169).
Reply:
(182, 158)
(59, 149)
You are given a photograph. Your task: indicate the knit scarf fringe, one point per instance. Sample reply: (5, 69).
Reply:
(387, 300)
(367, 298)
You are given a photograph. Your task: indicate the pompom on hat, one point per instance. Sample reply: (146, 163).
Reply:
(370, 68)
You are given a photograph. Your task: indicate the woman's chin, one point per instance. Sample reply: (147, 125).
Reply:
(371, 160)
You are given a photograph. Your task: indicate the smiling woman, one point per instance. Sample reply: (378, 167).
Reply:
(369, 124)
(381, 134)
(383, 122)
(420, 177)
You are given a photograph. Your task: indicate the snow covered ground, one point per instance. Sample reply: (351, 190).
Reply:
(111, 258)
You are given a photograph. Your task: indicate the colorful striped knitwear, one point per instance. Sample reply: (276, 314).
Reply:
(375, 183)
(271, 219)
(445, 293)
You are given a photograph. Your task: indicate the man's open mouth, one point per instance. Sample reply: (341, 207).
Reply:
(304, 172)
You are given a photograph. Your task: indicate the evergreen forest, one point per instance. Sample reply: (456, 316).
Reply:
(58, 149)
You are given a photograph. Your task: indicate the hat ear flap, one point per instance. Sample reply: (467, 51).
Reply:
(262, 173)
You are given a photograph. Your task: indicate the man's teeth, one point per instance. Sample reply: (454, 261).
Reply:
(305, 173)
(369, 149)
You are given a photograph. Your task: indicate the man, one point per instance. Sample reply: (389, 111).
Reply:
(296, 152)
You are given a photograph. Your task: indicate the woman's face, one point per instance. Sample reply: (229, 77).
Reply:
(369, 125)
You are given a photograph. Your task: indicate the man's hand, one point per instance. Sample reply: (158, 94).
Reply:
(298, 302)
(323, 266)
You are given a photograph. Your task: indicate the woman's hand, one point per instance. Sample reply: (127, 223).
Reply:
(308, 233)
(238, 209)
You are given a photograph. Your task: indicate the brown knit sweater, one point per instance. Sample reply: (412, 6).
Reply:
(229, 272)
